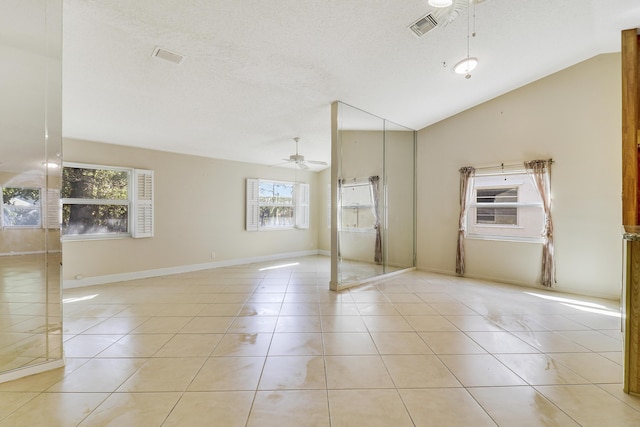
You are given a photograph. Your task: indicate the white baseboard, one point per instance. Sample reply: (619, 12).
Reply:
(28, 253)
(122, 277)
(555, 288)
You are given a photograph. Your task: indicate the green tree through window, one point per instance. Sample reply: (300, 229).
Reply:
(95, 200)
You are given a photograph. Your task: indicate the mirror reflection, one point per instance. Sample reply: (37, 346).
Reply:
(375, 196)
(30, 165)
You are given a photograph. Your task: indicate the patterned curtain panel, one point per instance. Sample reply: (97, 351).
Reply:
(540, 172)
(466, 189)
(375, 196)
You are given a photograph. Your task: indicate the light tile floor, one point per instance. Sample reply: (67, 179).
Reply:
(245, 346)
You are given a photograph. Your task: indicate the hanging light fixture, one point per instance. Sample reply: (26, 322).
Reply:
(440, 3)
(466, 65)
(469, 63)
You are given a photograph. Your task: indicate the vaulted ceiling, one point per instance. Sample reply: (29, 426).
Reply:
(256, 74)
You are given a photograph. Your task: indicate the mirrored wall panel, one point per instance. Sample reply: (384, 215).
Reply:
(30, 166)
(373, 172)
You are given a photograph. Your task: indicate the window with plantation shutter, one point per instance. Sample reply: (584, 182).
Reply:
(143, 203)
(276, 205)
(101, 202)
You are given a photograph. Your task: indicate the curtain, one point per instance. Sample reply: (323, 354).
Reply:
(540, 172)
(466, 190)
(375, 196)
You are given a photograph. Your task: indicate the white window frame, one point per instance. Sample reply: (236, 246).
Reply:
(356, 228)
(301, 205)
(519, 232)
(139, 202)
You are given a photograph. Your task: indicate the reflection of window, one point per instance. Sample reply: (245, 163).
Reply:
(106, 201)
(505, 207)
(357, 207)
(276, 205)
(21, 207)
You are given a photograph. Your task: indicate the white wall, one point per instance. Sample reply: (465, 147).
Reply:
(199, 209)
(572, 116)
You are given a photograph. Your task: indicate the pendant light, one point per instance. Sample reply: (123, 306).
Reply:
(469, 63)
(440, 3)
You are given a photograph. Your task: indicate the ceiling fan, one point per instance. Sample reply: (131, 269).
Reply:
(298, 159)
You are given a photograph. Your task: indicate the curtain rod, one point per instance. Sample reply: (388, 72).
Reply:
(506, 167)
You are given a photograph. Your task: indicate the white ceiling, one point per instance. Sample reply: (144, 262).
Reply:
(256, 74)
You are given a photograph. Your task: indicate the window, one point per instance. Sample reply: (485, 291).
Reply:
(357, 207)
(490, 206)
(21, 207)
(273, 205)
(101, 201)
(505, 207)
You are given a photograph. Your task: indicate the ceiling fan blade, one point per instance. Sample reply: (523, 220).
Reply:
(317, 162)
(303, 165)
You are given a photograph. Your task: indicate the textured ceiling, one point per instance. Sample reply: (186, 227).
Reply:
(256, 74)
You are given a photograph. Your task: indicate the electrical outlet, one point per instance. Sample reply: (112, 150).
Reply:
(213, 255)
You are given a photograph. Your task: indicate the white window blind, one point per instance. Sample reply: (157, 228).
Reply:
(253, 206)
(143, 205)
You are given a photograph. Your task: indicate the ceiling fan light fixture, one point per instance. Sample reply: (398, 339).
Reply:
(466, 65)
(440, 3)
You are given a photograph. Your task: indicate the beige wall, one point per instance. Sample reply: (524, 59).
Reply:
(199, 209)
(572, 116)
(324, 218)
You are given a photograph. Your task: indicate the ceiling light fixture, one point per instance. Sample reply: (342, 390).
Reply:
(466, 65)
(469, 63)
(440, 3)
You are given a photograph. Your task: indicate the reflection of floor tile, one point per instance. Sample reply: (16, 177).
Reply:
(400, 343)
(59, 409)
(227, 408)
(540, 369)
(296, 343)
(228, 373)
(477, 370)
(293, 372)
(451, 407)
(98, 375)
(591, 366)
(250, 344)
(589, 405)
(133, 409)
(349, 343)
(163, 374)
(289, 408)
(508, 406)
(367, 407)
(451, 343)
(501, 342)
(349, 372)
(419, 371)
